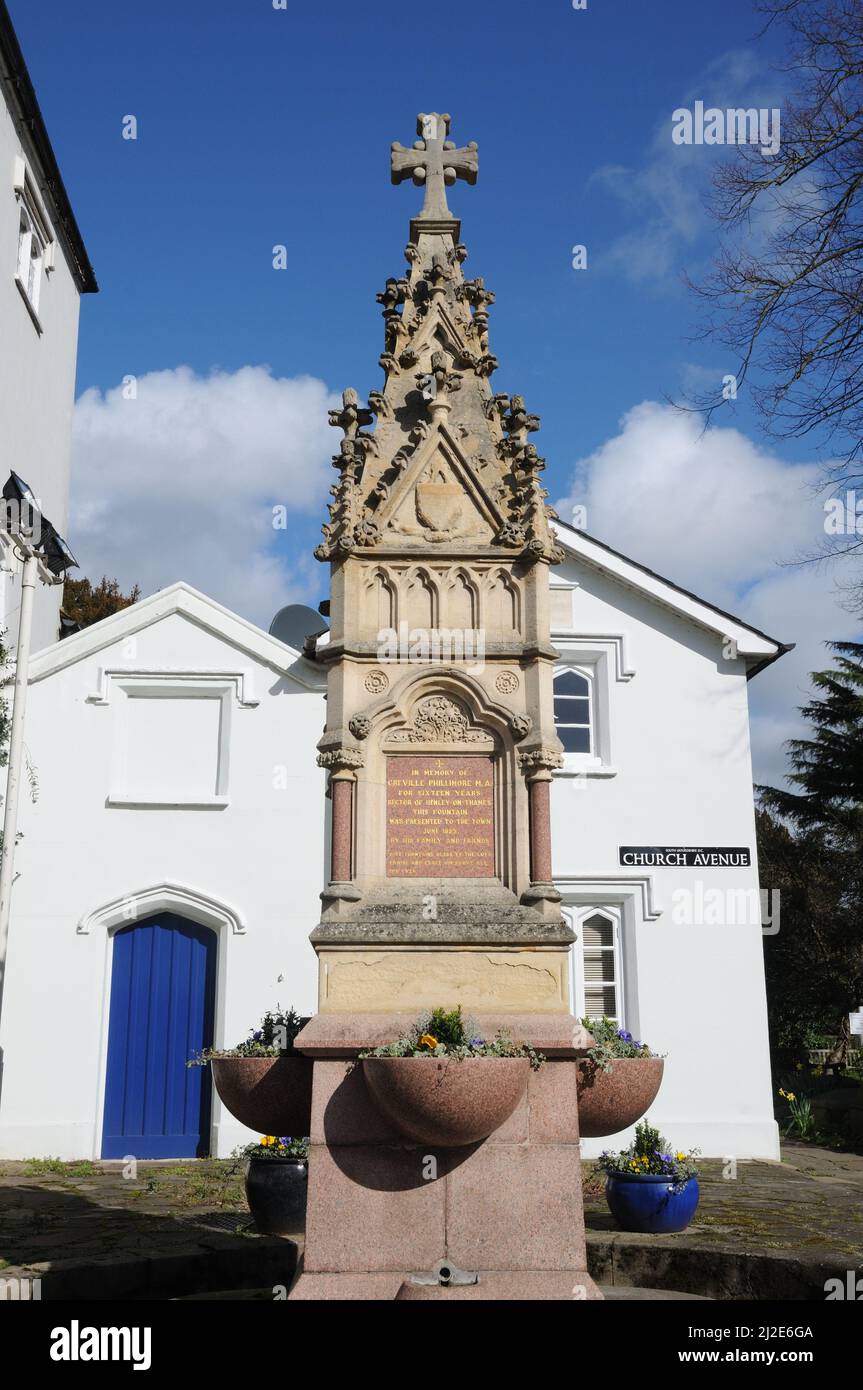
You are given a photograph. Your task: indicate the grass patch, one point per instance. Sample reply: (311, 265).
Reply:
(214, 1183)
(77, 1168)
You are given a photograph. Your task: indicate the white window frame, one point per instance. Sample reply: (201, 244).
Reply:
(163, 686)
(613, 915)
(29, 269)
(589, 675)
(604, 661)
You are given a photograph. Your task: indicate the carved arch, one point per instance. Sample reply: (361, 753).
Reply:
(396, 707)
(162, 897)
(462, 608)
(503, 603)
(385, 597)
(420, 598)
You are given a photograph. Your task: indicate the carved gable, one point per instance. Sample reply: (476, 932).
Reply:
(438, 499)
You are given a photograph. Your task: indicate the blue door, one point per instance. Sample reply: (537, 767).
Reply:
(163, 989)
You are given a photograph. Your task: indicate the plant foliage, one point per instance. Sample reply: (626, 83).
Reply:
(447, 1033)
(273, 1038)
(610, 1042)
(650, 1154)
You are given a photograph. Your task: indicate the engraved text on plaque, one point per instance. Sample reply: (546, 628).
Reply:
(440, 816)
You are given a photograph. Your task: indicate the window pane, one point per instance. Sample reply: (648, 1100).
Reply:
(599, 967)
(23, 250)
(571, 709)
(568, 683)
(598, 931)
(575, 740)
(600, 1002)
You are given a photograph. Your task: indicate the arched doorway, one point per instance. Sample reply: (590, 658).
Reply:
(163, 988)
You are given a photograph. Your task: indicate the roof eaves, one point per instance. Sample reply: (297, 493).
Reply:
(23, 96)
(781, 647)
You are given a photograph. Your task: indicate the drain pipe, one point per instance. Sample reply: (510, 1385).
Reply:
(16, 753)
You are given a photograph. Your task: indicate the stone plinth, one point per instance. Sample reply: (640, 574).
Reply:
(481, 949)
(381, 1209)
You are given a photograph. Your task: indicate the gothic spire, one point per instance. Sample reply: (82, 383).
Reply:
(448, 464)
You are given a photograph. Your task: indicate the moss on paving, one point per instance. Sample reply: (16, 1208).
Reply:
(812, 1201)
(84, 1211)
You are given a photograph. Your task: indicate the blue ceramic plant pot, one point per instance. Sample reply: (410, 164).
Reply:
(650, 1203)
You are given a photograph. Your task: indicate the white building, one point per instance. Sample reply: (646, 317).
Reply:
(171, 866)
(191, 737)
(44, 270)
(176, 845)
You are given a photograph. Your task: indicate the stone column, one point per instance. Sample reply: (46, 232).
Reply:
(342, 787)
(541, 892)
(540, 828)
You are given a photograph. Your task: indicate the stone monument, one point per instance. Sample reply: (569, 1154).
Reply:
(440, 746)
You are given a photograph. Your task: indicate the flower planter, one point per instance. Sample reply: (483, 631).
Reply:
(609, 1101)
(443, 1101)
(651, 1204)
(271, 1095)
(276, 1191)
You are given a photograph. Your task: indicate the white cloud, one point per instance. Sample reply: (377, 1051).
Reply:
(180, 483)
(664, 196)
(716, 514)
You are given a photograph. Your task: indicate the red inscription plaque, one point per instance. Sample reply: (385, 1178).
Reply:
(440, 817)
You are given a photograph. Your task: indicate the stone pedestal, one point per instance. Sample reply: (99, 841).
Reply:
(384, 1215)
(440, 744)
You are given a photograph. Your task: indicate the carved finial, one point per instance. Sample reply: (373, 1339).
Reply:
(516, 421)
(393, 294)
(352, 415)
(434, 161)
(440, 381)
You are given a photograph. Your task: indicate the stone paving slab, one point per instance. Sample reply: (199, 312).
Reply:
(180, 1228)
(770, 1231)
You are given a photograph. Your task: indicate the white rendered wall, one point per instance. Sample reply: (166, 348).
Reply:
(261, 856)
(37, 386)
(679, 741)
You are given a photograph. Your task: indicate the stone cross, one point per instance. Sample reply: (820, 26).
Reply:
(434, 161)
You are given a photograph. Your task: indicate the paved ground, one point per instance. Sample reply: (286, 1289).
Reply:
(772, 1231)
(811, 1201)
(174, 1229)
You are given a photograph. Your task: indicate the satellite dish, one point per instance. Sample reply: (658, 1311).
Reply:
(294, 623)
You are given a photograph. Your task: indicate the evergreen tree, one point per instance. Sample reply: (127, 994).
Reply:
(810, 848)
(828, 767)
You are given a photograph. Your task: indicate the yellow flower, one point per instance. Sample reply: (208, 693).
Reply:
(782, 1093)
(428, 1041)
(681, 1158)
(790, 1096)
(266, 1140)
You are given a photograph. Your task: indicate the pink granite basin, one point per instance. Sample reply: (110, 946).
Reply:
(445, 1102)
(272, 1095)
(609, 1101)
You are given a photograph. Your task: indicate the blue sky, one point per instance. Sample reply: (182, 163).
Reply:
(259, 126)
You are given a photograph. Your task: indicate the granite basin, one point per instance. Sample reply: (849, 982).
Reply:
(443, 1101)
(609, 1101)
(272, 1095)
